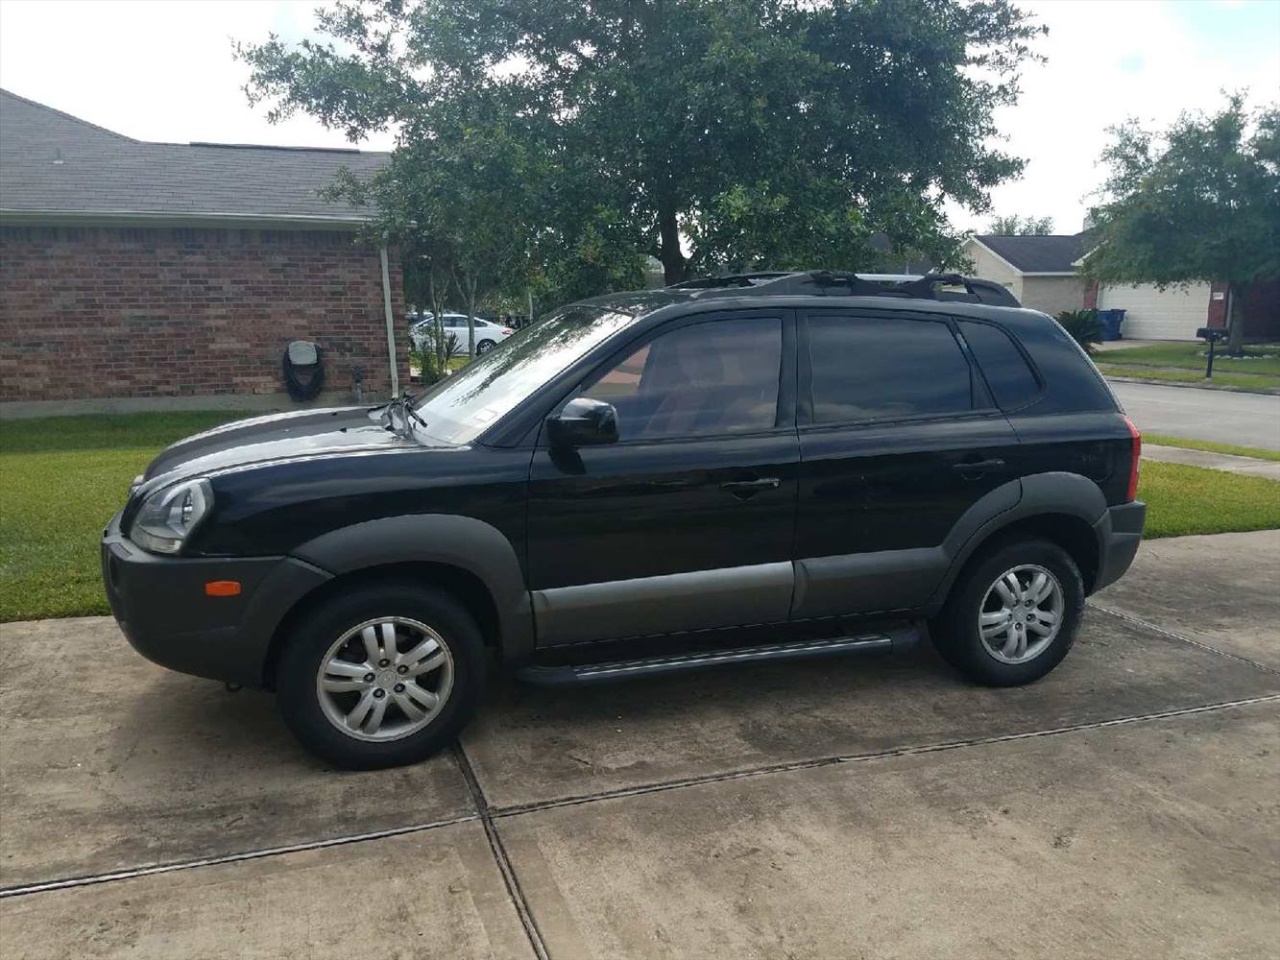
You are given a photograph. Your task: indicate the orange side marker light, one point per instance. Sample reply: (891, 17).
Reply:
(222, 588)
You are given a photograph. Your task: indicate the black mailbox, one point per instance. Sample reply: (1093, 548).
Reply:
(1211, 335)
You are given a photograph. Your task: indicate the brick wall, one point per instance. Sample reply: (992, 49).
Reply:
(138, 313)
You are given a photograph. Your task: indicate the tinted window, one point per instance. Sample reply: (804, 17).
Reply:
(877, 369)
(712, 378)
(1008, 375)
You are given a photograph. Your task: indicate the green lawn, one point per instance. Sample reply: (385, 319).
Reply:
(62, 479)
(1257, 453)
(1258, 369)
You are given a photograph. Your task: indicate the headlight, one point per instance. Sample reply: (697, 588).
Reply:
(170, 514)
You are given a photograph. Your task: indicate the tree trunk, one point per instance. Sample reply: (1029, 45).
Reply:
(1235, 319)
(673, 262)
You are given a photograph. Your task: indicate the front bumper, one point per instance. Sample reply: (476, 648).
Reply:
(1119, 532)
(161, 606)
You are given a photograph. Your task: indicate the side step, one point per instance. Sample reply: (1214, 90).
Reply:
(623, 669)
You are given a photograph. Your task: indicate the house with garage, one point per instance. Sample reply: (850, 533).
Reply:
(1044, 274)
(138, 275)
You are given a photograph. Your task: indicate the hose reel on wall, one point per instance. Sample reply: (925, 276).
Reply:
(303, 370)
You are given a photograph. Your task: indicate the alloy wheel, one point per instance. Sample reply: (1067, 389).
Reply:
(385, 679)
(1021, 614)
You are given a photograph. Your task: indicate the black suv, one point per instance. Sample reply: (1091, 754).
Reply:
(750, 468)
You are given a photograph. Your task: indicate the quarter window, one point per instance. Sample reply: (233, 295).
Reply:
(719, 377)
(1011, 380)
(871, 368)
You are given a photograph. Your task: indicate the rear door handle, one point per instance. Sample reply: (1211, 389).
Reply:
(976, 468)
(749, 488)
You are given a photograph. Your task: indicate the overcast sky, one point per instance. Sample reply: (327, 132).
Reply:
(163, 71)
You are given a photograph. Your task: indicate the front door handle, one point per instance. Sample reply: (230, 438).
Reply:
(749, 488)
(972, 469)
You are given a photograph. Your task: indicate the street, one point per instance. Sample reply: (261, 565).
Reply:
(1247, 419)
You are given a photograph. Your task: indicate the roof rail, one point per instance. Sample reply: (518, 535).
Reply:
(845, 283)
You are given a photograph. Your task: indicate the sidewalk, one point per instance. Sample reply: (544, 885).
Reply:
(1250, 466)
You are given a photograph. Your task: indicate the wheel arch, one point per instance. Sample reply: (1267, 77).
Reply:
(468, 557)
(1063, 508)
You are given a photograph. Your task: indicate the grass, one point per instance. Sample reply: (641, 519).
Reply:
(1258, 369)
(1257, 453)
(1184, 500)
(62, 479)
(1258, 358)
(1220, 380)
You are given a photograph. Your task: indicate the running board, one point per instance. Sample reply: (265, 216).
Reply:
(622, 669)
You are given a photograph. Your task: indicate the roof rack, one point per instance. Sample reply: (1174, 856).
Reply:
(930, 286)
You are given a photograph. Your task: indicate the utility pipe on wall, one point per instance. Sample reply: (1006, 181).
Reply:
(391, 322)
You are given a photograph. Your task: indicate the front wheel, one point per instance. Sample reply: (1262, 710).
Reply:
(1013, 615)
(382, 676)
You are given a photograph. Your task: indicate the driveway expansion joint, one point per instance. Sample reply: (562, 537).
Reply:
(509, 878)
(1171, 635)
(156, 868)
(516, 810)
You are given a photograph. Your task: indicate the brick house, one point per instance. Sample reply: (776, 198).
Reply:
(141, 275)
(1043, 273)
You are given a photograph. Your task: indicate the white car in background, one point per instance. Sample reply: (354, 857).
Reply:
(488, 334)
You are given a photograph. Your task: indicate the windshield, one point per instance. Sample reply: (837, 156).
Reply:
(459, 408)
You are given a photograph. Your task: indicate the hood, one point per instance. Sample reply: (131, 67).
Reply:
(280, 436)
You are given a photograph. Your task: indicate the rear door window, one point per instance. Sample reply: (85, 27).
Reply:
(885, 368)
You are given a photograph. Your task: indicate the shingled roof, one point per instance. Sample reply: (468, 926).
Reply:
(1048, 254)
(57, 168)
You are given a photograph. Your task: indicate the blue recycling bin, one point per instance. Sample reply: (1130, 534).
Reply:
(1111, 320)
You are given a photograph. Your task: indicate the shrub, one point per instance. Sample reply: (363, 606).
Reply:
(1084, 326)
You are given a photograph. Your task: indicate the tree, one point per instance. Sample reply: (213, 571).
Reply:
(1198, 202)
(1016, 226)
(755, 131)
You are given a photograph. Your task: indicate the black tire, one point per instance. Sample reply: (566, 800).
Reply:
(310, 640)
(484, 346)
(956, 632)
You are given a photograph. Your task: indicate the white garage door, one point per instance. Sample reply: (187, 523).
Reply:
(1175, 313)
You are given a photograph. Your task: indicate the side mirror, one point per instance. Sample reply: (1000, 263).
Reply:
(583, 422)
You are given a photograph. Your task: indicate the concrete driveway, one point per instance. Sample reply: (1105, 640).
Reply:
(1128, 805)
(1247, 419)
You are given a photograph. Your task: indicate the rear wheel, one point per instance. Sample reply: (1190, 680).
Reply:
(382, 676)
(1013, 615)
(484, 346)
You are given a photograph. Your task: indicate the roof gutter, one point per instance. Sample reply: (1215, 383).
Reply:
(144, 218)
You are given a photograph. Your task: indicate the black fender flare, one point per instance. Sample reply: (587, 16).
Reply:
(1068, 494)
(457, 541)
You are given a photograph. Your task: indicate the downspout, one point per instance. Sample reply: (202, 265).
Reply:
(391, 323)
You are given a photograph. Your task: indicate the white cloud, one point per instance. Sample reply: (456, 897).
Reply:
(1108, 62)
(154, 70)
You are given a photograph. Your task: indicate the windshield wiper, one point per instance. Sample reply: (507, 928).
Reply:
(403, 405)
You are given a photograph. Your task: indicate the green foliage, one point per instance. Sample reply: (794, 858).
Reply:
(554, 145)
(1016, 226)
(1084, 326)
(1198, 202)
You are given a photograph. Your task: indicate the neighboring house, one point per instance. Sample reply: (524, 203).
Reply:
(1039, 271)
(1043, 273)
(138, 274)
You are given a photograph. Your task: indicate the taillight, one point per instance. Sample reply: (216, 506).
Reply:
(507, 331)
(1135, 455)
